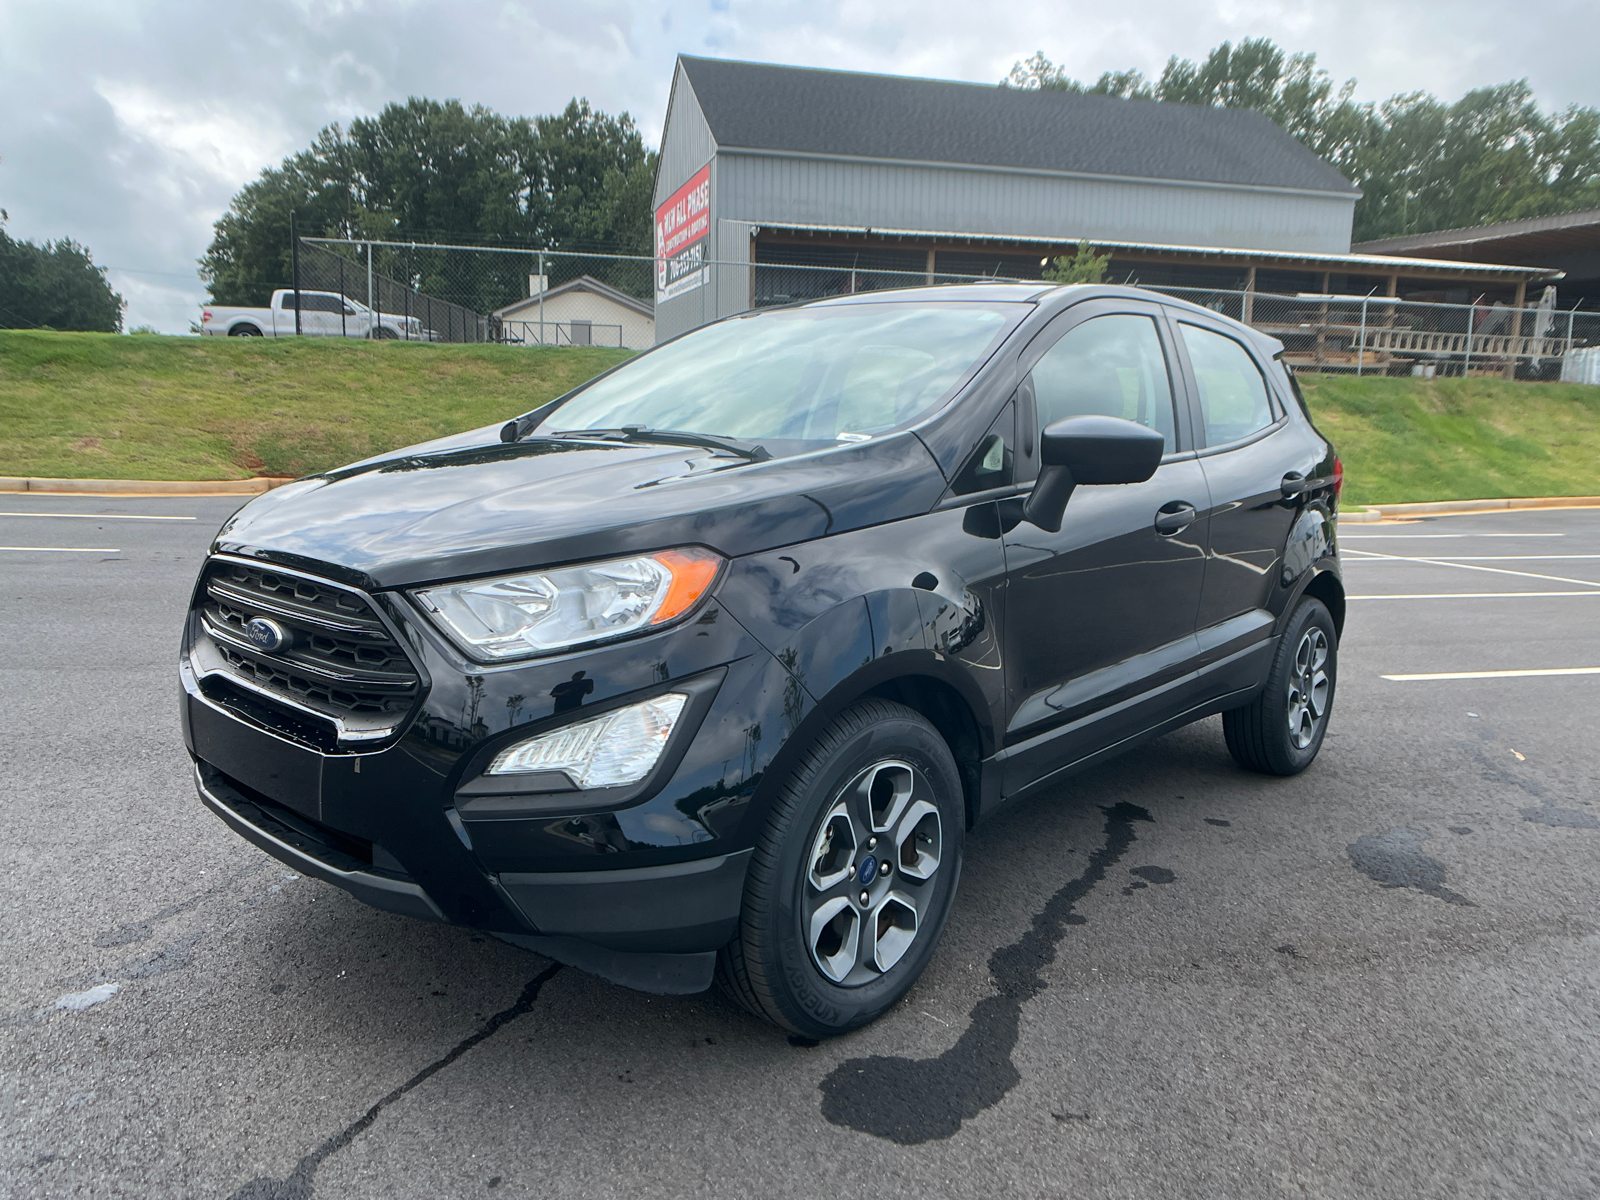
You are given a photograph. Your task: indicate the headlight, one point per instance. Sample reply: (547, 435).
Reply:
(607, 751)
(517, 616)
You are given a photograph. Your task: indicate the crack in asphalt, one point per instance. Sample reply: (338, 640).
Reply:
(300, 1184)
(911, 1101)
(141, 931)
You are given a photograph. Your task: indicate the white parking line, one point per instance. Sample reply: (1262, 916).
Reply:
(1460, 566)
(1469, 595)
(63, 549)
(97, 516)
(1472, 557)
(1496, 674)
(1356, 537)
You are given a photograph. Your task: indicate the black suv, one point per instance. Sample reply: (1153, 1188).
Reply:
(706, 667)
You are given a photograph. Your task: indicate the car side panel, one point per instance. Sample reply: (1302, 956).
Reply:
(920, 596)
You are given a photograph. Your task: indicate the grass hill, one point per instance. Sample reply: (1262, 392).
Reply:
(1458, 439)
(84, 405)
(100, 406)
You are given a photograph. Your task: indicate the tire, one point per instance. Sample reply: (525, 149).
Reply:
(813, 959)
(384, 334)
(244, 331)
(1281, 730)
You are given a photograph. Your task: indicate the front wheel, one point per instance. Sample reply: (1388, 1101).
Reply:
(853, 878)
(1281, 730)
(384, 334)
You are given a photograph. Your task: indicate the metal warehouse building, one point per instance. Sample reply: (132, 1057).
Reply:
(777, 183)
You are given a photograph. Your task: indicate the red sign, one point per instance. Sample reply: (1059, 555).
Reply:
(682, 223)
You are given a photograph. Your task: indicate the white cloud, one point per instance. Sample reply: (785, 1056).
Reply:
(130, 125)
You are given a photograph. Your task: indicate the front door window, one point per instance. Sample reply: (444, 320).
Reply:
(1109, 366)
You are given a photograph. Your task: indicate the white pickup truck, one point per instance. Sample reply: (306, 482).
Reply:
(322, 314)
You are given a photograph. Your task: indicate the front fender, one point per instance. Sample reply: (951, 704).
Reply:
(852, 614)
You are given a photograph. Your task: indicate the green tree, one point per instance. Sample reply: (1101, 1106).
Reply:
(438, 171)
(1085, 266)
(1422, 164)
(55, 286)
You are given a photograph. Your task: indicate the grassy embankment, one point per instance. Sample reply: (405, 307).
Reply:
(100, 406)
(1459, 439)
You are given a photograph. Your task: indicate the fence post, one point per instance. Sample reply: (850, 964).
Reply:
(1361, 349)
(544, 286)
(410, 275)
(1466, 364)
(294, 256)
(344, 329)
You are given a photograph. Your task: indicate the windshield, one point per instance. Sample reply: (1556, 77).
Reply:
(798, 379)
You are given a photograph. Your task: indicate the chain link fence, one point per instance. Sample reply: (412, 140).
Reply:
(1377, 335)
(439, 293)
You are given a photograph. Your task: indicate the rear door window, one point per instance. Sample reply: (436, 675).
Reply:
(1233, 395)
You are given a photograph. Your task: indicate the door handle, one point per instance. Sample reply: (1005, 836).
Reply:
(1175, 518)
(1293, 484)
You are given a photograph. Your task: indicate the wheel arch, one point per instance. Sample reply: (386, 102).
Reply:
(1327, 587)
(923, 683)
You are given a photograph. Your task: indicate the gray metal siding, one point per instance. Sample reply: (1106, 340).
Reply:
(768, 189)
(686, 143)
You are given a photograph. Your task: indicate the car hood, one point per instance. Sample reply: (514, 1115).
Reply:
(472, 505)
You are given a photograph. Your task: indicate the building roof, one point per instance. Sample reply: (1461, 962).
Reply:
(847, 114)
(583, 283)
(1564, 233)
(1353, 263)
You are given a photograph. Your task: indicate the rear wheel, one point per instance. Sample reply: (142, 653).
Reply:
(1281, 730)
(852, 880)
(244, 331)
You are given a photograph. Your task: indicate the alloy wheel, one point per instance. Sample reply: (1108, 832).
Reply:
(1308, 687)
(870, 874)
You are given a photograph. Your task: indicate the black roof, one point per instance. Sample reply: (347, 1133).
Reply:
(758, 106)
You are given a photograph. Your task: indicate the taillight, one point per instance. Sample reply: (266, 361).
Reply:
(1338, 478)
(205, 315)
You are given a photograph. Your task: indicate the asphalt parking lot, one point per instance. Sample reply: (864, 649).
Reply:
(1168, 978)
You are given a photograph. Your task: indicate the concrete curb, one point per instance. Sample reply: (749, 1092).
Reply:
(1446, 508)
(141, 487)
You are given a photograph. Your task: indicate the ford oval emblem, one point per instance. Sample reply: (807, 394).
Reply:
(268, 635)
(867, 869)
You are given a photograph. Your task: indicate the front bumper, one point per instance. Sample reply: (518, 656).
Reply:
(642, 893)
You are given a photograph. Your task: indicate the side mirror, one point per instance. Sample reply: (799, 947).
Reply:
(1089, 450)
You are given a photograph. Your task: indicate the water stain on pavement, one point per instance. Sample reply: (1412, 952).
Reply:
(1547, 811)
(911, 1101)
(1561, 818)
(1394, 859)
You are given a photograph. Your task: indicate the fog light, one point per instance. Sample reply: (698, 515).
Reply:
(607, 751)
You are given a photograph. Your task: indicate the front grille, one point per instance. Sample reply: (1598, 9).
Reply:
(340, 659)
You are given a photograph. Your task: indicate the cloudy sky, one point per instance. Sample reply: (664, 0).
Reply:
(129, 125)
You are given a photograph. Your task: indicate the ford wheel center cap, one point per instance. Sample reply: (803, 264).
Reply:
(266, 634)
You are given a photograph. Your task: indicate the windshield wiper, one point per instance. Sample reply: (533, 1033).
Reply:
(672, 437)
